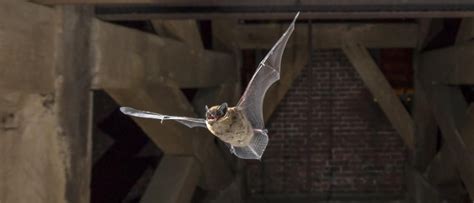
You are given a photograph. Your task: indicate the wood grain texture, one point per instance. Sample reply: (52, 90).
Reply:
(186, 31)
(457, 61)
(48, 140)
(126, 58)
(27, 47)
(174, 180)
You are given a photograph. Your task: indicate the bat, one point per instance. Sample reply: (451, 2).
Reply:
(241, 127)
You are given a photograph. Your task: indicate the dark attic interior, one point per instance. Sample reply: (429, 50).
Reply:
(373, 104)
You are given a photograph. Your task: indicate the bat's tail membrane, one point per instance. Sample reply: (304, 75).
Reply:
(255, 148)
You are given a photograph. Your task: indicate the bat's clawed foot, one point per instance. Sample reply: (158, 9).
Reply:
(232, 149)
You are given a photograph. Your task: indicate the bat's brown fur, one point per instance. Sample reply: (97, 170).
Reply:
(233, 128)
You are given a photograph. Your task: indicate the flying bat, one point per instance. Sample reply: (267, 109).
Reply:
(240, 127)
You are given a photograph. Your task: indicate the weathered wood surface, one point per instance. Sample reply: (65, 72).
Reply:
(28, 42)
(282, 9)
(381, 90)
(174, 180)
(266, 3)
(456, 61)
(186, 31)
(449, 107)
(428, 28)
(426, 129)
(154, 59)
(171, 137)
(45, 83)
(74, 98)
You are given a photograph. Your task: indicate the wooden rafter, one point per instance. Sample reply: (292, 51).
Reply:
(443, 176)
(423, 157)
(381, 90)
(174, 181)
(139, 85)
(186, 31)
(449, 109)
(155, 59)
(266, 3)
(457, 61)
(426, 130)
(448, 104)
(284, 9)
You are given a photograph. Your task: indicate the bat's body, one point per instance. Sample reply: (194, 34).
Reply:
(233, 128)
(242, 126)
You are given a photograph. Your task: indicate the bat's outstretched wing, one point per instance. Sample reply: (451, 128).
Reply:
(268, 72)
(251, 102)
(190, 122)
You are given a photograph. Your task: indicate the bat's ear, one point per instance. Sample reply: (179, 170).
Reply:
(223, 106)
(207, 108)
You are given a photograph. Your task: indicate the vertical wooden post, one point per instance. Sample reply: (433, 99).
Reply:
(74, 97)
(45, 127)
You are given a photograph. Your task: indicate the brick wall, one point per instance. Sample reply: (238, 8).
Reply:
(328, 137)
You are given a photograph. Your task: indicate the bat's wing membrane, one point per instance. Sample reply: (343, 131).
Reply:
(256, 147)
(268, 72)
(190, 122)
(251, 102)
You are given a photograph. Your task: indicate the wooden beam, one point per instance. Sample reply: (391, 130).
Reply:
(381, 90)
(47, 135)
(174, 138)
(420, 189)
(391, 3)
(248, 9)
(155, 59)
(456, 62)
(146, 13)
(377, 35)
(27, 47)
(174, 181)
(171, 137)
(467, 129)
(444, 177)
(428, 28)
(144, 89)
(426, 129)
(466, 31)
(186, 31)
(449, 109)
(73, 85)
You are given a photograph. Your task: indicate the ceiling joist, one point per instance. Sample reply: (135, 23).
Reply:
(127, 57)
